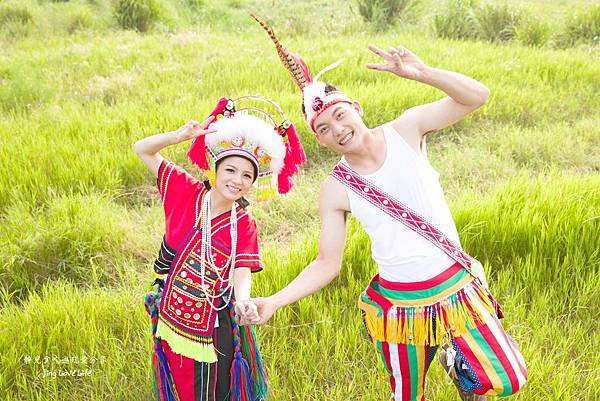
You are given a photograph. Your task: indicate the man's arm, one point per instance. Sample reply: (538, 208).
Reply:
(333, 203)
(464, 94)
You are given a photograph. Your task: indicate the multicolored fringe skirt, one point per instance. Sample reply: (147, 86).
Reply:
(237, 375)
(424, 312)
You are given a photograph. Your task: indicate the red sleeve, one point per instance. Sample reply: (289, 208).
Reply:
(247, 254)
(179, 191)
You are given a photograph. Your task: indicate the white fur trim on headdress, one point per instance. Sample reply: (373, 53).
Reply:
(258, 135)
(316, 100)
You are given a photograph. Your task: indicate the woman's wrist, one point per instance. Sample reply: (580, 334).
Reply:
(174, 137)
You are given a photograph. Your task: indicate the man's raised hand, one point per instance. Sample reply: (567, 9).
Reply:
(399, 61)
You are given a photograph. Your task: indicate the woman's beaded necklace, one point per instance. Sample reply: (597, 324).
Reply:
(206, 257)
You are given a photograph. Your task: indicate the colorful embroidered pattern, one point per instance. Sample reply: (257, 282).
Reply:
(186, 319)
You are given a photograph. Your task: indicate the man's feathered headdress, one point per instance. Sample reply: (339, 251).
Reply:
(315, 97)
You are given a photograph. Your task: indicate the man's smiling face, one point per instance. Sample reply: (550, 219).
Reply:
(340, 127)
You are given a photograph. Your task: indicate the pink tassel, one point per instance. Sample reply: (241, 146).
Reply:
(296, 149)
(294, 157)
(197, 151)
(284, 183)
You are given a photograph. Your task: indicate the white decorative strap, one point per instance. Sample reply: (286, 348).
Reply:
(400, 212)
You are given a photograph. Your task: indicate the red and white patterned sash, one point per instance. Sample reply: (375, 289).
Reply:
(400, 212)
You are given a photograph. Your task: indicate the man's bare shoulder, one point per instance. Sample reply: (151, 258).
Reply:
(333, 196)
(406, 125)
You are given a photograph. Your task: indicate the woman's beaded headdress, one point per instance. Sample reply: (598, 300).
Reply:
(250, 132)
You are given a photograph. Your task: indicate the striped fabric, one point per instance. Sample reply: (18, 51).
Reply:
(165, 258)
(424, 312)
(201, 381)
(493, 364)
(426, 292)
(407, 365)
(408, 321)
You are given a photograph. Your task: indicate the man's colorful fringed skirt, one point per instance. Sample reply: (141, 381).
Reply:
(408, 321)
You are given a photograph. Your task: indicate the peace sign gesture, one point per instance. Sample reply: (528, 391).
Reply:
(399, 61)
(193, 129)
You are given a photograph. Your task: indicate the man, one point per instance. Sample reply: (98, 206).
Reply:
(425, 292)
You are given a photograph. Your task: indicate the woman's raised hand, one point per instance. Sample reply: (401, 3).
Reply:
(193, 129)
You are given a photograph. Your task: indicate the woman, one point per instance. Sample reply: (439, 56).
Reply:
(210, 248)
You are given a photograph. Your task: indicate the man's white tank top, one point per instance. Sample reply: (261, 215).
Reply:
(401, 254)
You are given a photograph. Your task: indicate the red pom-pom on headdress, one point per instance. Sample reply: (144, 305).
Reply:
(197, 151)
(294, 157)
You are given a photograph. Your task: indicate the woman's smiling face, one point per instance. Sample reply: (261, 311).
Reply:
(235, 176)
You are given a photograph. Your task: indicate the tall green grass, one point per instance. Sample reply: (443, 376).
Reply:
(74, 108)
(139, 15)
(577, 23)
(582, 26)
(537, 239)
(65, 321)
(574, 23)
(80, 218)
(384, 14)
(88, 100)
(84, 238)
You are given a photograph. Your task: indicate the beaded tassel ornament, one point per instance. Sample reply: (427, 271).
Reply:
(163, 385)
(248, 376)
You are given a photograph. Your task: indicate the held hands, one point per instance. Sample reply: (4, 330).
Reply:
(193, 129)
(399, 61)
(266, 308)
(246, 312)
(255, 311)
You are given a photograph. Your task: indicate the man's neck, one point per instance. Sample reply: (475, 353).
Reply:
(371, 155)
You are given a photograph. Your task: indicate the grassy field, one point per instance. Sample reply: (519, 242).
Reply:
(81, 220)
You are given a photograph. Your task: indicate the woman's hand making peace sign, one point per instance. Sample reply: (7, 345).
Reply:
(193, 129)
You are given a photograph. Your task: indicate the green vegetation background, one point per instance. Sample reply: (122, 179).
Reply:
(81, 220)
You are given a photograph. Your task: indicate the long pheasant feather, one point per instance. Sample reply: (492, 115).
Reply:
(292, 62)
